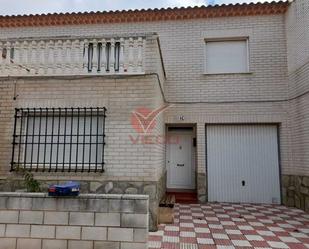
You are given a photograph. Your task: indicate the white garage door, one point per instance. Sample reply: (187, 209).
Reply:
(242, 163)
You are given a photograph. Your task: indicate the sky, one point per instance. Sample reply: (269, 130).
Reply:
(14, 7)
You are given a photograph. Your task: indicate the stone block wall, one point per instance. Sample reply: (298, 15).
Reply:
(295, 191)
(90, 221)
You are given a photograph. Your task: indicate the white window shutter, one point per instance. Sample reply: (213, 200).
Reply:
(226, 56)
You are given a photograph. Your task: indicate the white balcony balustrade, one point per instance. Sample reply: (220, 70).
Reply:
(72, 56)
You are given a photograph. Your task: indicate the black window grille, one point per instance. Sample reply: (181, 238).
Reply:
(59, 139)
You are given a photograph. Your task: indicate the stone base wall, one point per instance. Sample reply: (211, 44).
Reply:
(89, 221)
(155, 191)
(295, 191)
(202, 187)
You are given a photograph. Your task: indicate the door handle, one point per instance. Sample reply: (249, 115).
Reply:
(243, 183)
(180, 165)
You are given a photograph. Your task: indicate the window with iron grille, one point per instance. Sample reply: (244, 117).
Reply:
(59, 139)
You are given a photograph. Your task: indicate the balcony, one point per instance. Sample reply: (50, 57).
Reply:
(61, 56)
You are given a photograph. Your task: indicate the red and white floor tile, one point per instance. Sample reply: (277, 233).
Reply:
(228, 226)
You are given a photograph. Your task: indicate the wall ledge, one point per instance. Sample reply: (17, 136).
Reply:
(81, 196)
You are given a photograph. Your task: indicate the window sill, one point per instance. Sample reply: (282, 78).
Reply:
(240, 73)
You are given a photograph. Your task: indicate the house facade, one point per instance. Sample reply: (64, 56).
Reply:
(212, 100)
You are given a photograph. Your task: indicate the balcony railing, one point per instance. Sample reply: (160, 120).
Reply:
(72, 56)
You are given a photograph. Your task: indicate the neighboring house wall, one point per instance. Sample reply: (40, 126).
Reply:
(296, 182)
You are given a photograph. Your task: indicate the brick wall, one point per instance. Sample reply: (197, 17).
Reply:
(256, 97)
(36, 221)
(182, 44)
(232, 113)
(295, 181)
(297, 30)
(250, 113)
(119, 96)
(138, 166)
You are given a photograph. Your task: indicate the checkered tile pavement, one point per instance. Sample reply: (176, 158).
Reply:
(223, 225)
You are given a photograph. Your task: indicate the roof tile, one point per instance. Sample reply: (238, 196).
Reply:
(143, 15)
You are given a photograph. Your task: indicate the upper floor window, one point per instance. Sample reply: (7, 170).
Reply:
(226, 56)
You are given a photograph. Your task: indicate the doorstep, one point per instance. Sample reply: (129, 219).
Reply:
(184, 197)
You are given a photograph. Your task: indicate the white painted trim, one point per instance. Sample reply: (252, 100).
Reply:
(248, 55)
(226, 33)
(239, 73)
(70, 75)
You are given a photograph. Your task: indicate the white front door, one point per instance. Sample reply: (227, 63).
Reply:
(180, 160)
